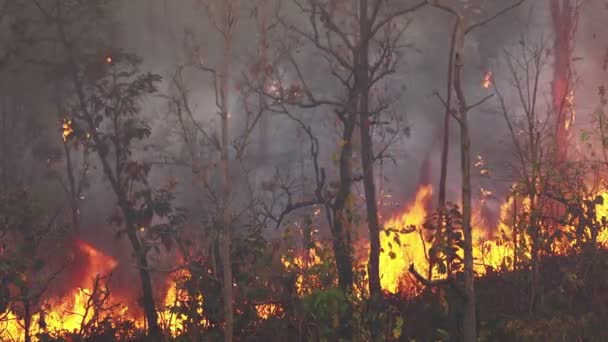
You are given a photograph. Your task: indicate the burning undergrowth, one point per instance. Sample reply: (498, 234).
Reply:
(82, 298)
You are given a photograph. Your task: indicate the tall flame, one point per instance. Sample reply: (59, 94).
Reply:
(70, 312)
(400, 247)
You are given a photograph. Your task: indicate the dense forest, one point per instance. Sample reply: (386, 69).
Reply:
(303, 170)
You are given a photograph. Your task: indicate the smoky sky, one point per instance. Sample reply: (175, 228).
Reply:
(157, 30)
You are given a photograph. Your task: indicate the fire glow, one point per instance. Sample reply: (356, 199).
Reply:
(67, 129)
(486, 83)
(75, 310)
(403, 244)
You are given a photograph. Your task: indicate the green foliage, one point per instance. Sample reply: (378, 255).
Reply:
(446, 239)
(325, 310)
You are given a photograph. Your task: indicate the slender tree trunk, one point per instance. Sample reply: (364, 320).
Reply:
(445, 150)
(341, 222)
(515, 232)
(469, 319)
(154, 330)
(535, 228)
(446, 126)
(367, 152)
(263, 46)
(74, 206)
(5, 145)
(27, 317)
(225, 236)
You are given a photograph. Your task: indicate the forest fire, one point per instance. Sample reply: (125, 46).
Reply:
(71, 311)
(76, 310)
(187, 190)
(403, 242)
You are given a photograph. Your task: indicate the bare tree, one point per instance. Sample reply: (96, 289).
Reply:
(228, 141)
(227, 29)
(461, 30)
(331, 28)
(529, 130)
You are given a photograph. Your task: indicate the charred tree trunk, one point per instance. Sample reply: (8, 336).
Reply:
(367, 152)
(148, 301)
(445, 150)
(27, 317)
(341, 222)
(5, 145)
(469, 319)
(73, 191)
(515, 232)
(226, 233)
(446, 127)
(263, 46)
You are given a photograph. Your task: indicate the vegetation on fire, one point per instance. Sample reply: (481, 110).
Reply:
(138, 217)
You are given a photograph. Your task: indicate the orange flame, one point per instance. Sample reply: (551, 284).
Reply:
(70, 312)
(400, 246)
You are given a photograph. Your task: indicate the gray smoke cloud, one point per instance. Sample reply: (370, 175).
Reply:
(157, 30)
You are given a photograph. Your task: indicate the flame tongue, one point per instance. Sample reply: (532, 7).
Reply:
(400, 248)
(70, 311)
(99, 264)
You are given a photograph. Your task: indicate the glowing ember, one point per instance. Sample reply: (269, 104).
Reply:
(305, 283)
(274, 89)
(266, 311)
(481, 165)
(67, 129)
(486, 83)
(570, 107)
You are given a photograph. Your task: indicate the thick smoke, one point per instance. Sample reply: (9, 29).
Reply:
(159, 32)
(156, 30)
